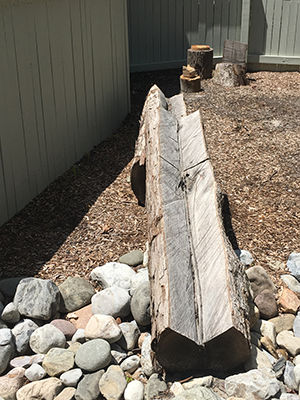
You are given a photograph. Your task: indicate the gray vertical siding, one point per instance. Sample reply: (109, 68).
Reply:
(64, 84)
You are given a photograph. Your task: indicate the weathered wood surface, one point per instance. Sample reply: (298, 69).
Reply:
(190, 85)
(202, 61)
(235, 52)
(230, 75)
(198, 286)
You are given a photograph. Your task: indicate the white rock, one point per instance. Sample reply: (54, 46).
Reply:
(5, 336)
(71, 378)
(141, 276)
(296, 360)
(45, 389)
(146, 362)
(78, 336)
(114, 301)
(130, 335)
(176, 388)
(10, 314)
(113, 274)
(22, 333)
(265, 328)
(134, 391)
(292, 282)
(287, 340)
(204, 381)
(244, 256)
(103, 327)
(131, 364)
(46, 337)
(35, 373)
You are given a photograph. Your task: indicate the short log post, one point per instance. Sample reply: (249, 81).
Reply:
(199, 289)
(230, 74)
(202, 61)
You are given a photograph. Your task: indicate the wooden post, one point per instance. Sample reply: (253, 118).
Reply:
(230, 74)
(190, 85)
(198, 286)
(202, 61)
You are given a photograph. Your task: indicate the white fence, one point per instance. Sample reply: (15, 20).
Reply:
(161, 31)
(64, 84)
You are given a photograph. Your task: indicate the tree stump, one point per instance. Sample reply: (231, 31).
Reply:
(190, 85)
(202, 61)
(198, 285)
(230, 74)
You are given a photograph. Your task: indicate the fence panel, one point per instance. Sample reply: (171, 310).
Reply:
(64, 81)
(161, 31)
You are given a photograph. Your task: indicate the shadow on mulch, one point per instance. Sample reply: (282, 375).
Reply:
(31, 237)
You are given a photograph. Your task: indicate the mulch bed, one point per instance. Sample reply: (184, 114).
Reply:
(89, 216)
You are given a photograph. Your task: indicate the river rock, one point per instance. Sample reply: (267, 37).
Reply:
(113, 383)
(45, 389)
(26, 361)
(257, 360)
(22, 333)
(252, 385)
(289, 396)
(118, 353)
(131, 364)
(289, 376)
(134, 391)
(11, 383)
(293, 264)
(37, 298)
(141, 276)
(46, 337)
(35, 373)
(133, 258)
(103, 327)
(6, 353)
(288, 301)
(297, 376)
(58, 361)
(93, 355)
(114, 301)
(269, 346)
(146, 360)
(265, 328)
(155, 386)
(260, 280)
(288, 341)
(266, 303)
(88, 387)
(76, 293)
(130, 335)
(283, 322)
(206, 381)
(66, 394)
(140, 304)
(66, 327)
(113, 274)
(80, 318)
(10, 314)
(5, 336)
(244, 256)
(292, 282)
(71, 378)
(199, 393)
(176, 388)
(279, 367)
(78, 336)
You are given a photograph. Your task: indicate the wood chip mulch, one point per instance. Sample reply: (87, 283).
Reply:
(89, 216)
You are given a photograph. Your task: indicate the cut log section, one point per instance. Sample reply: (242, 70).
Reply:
(190, 85)
(198, 285)
(230, 74)
(202, 61)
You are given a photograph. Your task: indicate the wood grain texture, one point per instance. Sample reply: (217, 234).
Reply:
(198, 286)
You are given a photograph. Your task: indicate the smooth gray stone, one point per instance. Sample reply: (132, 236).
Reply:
(154, 386)
(5, 337)
(114, 301)
(45, 338)
(37, 298)
(75, 293)
(8, 287)
(254, 384)
(134, 391)
(289, 376)
(141, 276)
(140, 304)
(293, 264)
(22, 332)
(292, 282)
(131, 364)
(113, 274)
(71, 378)
(130, 335)
(244, 256)
(133, 258)
(10, 314)
(35, 373)
(6, 353)
(93, 355)
(88, 387)
(296, 326)
(259, 280)
(198, 393)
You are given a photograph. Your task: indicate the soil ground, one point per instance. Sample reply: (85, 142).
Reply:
(89, 216)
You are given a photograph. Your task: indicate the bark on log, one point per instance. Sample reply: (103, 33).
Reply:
(202, 61)
(230, 75)
(198, 286)
(190, 85)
